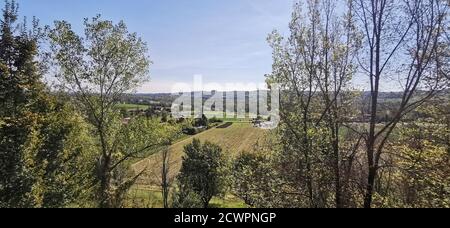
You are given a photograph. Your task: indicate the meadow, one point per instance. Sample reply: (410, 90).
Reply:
(132, 106)
(233, 137)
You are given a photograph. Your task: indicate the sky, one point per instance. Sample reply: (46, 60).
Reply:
(222, 40)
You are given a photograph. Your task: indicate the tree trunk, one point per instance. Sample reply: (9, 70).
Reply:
(165, 178)
(105, 179)
(368, 198)
(105, 174)
(307, 150)
(337, 171)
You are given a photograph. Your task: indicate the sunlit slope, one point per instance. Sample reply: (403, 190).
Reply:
(233, 138)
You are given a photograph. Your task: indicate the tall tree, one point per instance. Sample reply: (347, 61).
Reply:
(98, 69)
(204, 171)
(401, 40)
(39, 137)
(314, 66)
(21, 78)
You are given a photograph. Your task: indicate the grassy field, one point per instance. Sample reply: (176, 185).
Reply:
(132, 106)
(232, 137)
(231, 118)
(141, 196)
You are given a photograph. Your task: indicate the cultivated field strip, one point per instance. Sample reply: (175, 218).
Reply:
(234, 139)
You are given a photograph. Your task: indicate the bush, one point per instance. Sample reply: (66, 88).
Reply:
(203, 172)
(201, 122)
(185, 198)
(190, 131)
(215, 120)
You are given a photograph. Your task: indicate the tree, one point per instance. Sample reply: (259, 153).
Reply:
(201, 122)
(164, 117)
(41, 152)
(204, 171)
(401, 39)
(21, 75)
(98, 69)
(420, 177)
(139, 138)
(314, 66)
(166, 164)
(166, 180)
(257, 181)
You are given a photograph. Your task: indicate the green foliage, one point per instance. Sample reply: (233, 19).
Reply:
(132, 107)
(421, 178)
(314, 68)
(42, 140)
(77, 150)
(204, 172)
(257, 182)
(98, 69)
(44, 158)
(215, 120)
(141, 135)
(201, 122)
(108, 60)
(165, 117)
(20, 73)
(185, 197)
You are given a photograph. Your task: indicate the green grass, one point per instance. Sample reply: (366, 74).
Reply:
(236, 120)
(234, 138)
(143, 197)
(229, 202)
(147, 197)
(230, 118)
(132, 106)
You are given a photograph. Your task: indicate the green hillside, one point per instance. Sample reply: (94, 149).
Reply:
(232, 137)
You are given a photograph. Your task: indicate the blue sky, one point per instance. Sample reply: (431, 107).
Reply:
(223, 40)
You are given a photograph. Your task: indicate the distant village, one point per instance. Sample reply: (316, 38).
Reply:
(160, 106)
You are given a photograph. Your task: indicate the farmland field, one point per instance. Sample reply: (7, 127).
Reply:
(132, 106)
(232, 137)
